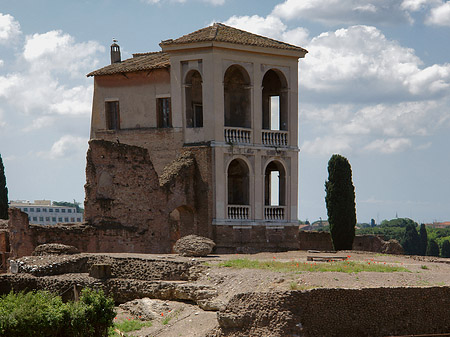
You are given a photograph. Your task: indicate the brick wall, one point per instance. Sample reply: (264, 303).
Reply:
(251, 239)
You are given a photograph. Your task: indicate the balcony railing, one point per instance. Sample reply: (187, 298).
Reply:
(238, 135)
(274, 212)
(275, 138)
(238, 212)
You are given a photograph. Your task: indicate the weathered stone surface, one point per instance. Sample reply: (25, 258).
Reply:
(147, 309)
(392, 247)
(54, 249)
(194, 245)
(399, 311)
(101, 271)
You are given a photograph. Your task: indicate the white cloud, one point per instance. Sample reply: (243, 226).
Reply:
(390, 145)
(417, 5)
(9, 28)
(384, 128)
(52, 77)
(327, 145)
(331, 12)
(375, 68)
(212, 2)
(39, 123)
(439, 15)
(66, 147)
(2, 122)
(56, 51)
(270, 26)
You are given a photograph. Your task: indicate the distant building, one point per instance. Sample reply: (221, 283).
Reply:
(43, 212)
(445, 224)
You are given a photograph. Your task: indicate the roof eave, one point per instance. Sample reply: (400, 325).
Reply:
(177, 47)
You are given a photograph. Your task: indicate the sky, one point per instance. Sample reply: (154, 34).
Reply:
(374, 87)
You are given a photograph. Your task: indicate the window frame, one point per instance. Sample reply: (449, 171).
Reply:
(164, 122)
(112, 123)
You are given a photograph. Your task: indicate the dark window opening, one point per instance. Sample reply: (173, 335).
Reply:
(112, 115)
(164, 113)
(237, 97)
(274, 101)
(238, 183)
(275, 185)
(194, 100)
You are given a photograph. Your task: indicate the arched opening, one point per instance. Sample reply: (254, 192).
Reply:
(238, 183)
(194, 100)
(275, 185)
(274, 101)
(181, 222)
(237, 97)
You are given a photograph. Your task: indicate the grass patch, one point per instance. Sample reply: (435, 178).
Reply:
(127, 326)
(424, 267)
(338, 266)
(295, 286)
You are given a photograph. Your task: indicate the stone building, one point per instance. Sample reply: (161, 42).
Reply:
(220, 105)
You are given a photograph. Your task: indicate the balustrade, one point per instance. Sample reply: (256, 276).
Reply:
(274, 212)
(238, 212)
(274, 138)
(238, 135)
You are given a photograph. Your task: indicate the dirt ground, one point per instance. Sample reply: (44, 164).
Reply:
(184, 319)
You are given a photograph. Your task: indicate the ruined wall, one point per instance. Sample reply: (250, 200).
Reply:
(309, 240)
(252, 239)
(128, 208)
(314, 241)
(338, 312)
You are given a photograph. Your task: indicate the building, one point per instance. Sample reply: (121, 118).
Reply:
(230, 99)
(43, 212)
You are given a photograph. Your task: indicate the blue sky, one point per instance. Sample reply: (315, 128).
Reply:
(374, 87)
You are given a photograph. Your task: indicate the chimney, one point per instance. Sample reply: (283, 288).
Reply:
(115, 52)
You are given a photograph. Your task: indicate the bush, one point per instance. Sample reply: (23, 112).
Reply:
(43, 314)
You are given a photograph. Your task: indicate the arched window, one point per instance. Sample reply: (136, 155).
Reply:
(238, 183)
(237, 97)
(274, 104)
(194, 100)
(275, 185)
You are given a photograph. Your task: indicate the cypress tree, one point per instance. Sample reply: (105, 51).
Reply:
(3, 192)
(423, 240)
(411, 240)
(445, 251)
(433, 248)
(340, 201)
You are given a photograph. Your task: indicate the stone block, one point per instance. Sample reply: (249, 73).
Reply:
(100, 271)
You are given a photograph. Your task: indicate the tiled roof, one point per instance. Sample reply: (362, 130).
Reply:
(143, 61)
(222, 33)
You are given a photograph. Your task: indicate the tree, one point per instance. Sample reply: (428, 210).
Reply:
(3, 192)
(445, 251)
(340, 201)
(411, 240)
(433, 248)
(423, 239)
(69, 204)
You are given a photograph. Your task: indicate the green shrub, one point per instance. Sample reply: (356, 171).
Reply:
(43, 314)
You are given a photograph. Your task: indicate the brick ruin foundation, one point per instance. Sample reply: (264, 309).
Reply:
(130, 208)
